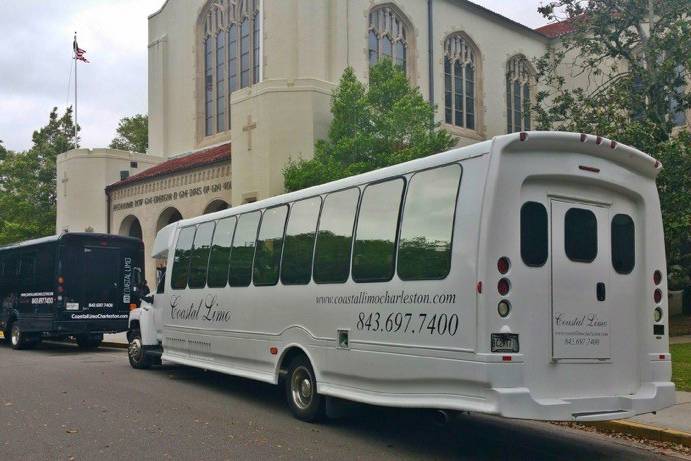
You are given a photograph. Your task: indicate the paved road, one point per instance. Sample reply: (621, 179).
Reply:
(57, 402)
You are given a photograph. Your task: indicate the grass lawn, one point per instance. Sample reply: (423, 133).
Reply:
(681, 366)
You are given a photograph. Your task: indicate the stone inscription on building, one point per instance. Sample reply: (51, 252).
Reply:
(171, 196)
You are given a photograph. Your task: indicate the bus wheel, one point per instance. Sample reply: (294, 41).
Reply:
(301, 391)
(135, 352)
(17, 337)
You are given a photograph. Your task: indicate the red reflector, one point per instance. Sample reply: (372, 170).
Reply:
(592, 169)
(657, 277)
(503, 265)
(506, 358)
(583, 137)
(503, 287)
(598, 140)
(273, 350)
(60, 289)
(523, 136)
(657, 163)
(479, 287)
(612, 144)
(658, 295)
(663, 356)
(133, 306)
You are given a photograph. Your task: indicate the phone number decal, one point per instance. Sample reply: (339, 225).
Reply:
(407, 322)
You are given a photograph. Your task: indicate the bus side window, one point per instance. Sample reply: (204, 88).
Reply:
(45, 261)
(199, 260)
(534, 234)
(26, 270)
(623, 244)
(298, 250)
(377, 228)
(242, 252)
(181, 262)
(220, 253)
(424, 251)
(269, 246)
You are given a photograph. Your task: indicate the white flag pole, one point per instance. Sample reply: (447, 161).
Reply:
(74, 50)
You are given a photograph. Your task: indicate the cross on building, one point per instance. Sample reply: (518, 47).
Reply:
(64, 183)
(248, 129)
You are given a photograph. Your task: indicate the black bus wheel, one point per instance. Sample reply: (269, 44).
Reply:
(17, 337)
(135, 352)
(89, 341)
(301, 391)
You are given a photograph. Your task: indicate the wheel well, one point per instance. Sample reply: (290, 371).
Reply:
(134, 325)
(288, 357)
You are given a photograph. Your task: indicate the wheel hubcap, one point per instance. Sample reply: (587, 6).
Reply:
(135, 349)
(301, 388)
(15, 336)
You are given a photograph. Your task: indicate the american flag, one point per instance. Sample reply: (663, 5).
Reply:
(78, 52)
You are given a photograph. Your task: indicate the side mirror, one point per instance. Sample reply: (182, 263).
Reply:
(148, 298)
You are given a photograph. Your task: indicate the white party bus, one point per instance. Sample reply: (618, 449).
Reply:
(522, 276)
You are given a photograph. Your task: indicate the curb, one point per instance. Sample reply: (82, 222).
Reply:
(643, 431)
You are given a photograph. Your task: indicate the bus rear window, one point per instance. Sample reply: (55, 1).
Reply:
(580, 235)
(533, 234)
(623, 244)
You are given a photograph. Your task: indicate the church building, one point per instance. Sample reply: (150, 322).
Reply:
(236, 88)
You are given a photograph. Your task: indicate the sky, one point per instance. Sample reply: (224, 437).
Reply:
(36, 62)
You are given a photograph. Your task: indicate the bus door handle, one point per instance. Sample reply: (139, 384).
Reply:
(600, 291)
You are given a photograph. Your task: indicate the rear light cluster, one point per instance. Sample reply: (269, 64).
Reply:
(657, 296)
(504, 286)
(61, 282)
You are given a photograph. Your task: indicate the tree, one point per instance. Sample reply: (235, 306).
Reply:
(132, 134)
(28, 181)
(634, 56)
(384, 123)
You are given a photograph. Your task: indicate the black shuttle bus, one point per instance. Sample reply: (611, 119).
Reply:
(74, 284)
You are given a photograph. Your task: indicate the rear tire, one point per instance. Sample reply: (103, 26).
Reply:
(89, 341)
(301, 391)
(135, 352)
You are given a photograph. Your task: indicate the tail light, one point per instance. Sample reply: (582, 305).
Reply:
(503, 265)
(657, 296)
(657, 277)
(504, 286)
(133, 306)
(61, 282)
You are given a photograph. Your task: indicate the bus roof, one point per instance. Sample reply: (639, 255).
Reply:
(69, 235)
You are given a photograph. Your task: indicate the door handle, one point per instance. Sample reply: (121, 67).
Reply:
(600, 291)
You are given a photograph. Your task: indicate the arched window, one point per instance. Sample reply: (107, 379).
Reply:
(387, 37)
(231, 54)
(520, 80)
(460, 77)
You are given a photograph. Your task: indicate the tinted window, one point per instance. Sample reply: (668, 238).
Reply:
(424, 252)
(183, 253)
(200, 255)
(332, 254)
(623, 244)
(580, 235)
(533, 234)
(220, 253)
(375, 241)
(242, 253)
(269, 246)
(299, 242)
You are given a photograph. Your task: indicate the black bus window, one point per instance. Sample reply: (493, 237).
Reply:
(298, 250)
(181, 262)
(534, 234)
(26, 270)
(269, 246)
(377, 228)
(200, 255)
(424, 252)
(580, 235)
(623, 244)
(335, 236)
(242, 252)
(220, 252)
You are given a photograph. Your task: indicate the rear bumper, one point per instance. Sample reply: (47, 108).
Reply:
(519, 403)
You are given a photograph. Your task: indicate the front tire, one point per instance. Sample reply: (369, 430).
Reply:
(301, 391)
(18, 338)
(135, 352)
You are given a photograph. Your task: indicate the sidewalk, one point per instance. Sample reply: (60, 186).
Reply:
(672, 424)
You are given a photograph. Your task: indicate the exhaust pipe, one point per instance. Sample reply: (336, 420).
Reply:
(440, 418)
